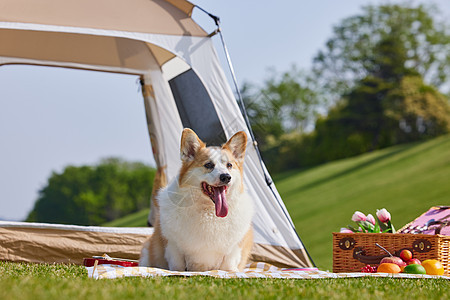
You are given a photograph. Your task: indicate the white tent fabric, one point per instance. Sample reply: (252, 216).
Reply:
(144, 54)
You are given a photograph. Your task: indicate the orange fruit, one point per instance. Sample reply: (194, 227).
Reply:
(388, 268)
(433, 267)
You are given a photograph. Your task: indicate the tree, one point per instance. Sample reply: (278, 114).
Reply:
(352, 54)
(287, 102)
(359, 122)
(376, 114)
(291, 100)
(263, 122)
(285, 107)
(419, 109)
(93, 195)
(383, 99)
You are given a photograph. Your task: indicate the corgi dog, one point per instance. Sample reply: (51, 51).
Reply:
(203, 217)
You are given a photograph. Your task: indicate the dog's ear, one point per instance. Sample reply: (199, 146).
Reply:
(190, 144)
(237, 144)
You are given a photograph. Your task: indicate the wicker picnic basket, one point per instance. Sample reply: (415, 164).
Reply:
(352, 251)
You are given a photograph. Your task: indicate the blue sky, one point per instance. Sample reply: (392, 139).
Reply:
(52, 117)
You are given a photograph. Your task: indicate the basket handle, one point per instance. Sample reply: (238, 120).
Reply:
(360, 255)
(441, 224)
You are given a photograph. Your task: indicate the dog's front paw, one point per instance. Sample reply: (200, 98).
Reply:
(232, 270)
(231, 261)
(174, 258)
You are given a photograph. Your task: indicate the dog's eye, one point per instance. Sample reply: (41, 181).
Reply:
(209, 165)
(229, 165)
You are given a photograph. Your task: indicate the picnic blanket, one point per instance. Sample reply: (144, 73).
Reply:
(254, 270)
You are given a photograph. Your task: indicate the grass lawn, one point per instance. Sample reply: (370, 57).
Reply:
(30, 281)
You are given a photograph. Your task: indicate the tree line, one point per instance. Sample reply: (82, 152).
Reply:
(93, 195)
(382, 79)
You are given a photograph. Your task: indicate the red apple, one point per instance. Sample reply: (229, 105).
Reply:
(394, 260)
(413, 261)
(406, 255)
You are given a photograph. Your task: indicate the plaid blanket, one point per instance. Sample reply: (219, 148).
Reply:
(255, 270)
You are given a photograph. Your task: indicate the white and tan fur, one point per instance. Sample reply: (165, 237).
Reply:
(189, 233)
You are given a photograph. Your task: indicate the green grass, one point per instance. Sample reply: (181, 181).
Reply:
(30, 281)
(406, 180)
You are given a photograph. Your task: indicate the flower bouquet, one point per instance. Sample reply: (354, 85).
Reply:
(368, 224)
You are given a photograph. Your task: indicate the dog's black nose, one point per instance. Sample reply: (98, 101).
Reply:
(225, 178)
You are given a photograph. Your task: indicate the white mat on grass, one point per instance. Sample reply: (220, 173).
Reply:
(255, 270)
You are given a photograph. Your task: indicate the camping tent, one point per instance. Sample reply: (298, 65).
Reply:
(183, 86)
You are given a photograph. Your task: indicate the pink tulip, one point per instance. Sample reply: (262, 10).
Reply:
(346, 230)
(383, 215)
(358, 217)
(370, 219)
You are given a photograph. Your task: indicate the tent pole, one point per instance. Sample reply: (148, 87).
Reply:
(236, 87)
(267, 178)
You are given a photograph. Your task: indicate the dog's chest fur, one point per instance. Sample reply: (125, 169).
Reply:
(189, 220)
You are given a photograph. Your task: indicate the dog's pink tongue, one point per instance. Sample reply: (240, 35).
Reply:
(221, 202)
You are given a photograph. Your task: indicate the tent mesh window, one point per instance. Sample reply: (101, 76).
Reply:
(196, 109)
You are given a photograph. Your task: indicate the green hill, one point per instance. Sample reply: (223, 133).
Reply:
(406, 180)
(137, 219)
